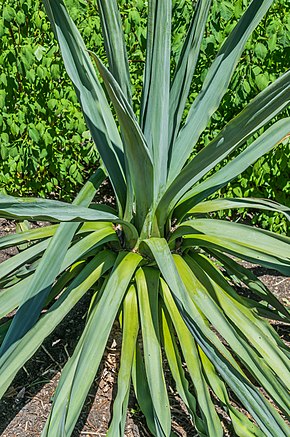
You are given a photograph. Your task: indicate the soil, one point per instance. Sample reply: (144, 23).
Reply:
(26, 405)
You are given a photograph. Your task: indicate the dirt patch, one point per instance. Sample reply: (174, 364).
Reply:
(26, 405)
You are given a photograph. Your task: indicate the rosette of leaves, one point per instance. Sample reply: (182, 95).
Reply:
(157, 262)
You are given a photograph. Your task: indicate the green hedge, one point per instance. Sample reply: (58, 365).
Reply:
(45, 147)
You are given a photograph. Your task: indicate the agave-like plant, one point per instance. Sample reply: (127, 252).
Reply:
(158, 262)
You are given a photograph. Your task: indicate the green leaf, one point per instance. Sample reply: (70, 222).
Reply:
(262, 81)
(130, 327)
(12, 361)
(27, 208)
(265, 415)
(265, 106)
(251, 281)
(242, 425)
(47, 270)
(147, 281)
(91, 95)
(210, 421)
(136, 149)
(141, 389)
(249, 337)
(223, 204)
(155, 97)
(11, 264)
(72, 387)
(263, 144)
(31, 235)
(34, 134)
(115, 45)
(244, 241)
(12, 296)
(260, 50)
(177, 371)
(215, 85)
(8, 13)
(185, 68)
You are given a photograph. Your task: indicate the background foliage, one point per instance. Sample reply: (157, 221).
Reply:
(45, 147)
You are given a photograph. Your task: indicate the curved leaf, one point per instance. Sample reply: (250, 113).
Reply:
(223, 204)
(115, 44)
(12, 297)
(215, 84)
(211, 421)
(23, 208)
(249, 337)
(185, 68)
(72, 387)
(147, 281)
(271, 137)
(91, 95)
(47, 270)
(265, 415)
(252, 244)
(13, 360)
(177, 371)
(130, 327)
(251, 281)
(155, 97)
(136, 150)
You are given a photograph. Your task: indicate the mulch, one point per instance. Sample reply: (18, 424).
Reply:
(26, 405)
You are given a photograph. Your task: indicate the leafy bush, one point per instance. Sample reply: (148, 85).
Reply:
(45, 147)
(37, 101)
(157, 261)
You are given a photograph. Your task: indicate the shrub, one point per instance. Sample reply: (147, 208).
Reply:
(157, 260)
(45, 147)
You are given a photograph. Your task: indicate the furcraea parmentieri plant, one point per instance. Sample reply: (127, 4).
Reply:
(158, 262)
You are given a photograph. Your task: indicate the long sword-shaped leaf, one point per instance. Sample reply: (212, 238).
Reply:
(43, 209)
(211, 421)
(276, 133)
(251, 281)
(12, 292)
(177, 371)
(244, 241)
(118, 64)
(91, 95)
(138, 156)
(39, 233)
(242, 425)
(12, 297)
(25, 236)
(130, 327)
(238, 249)
(48, 210)
(223, 204)
(147, 281)
(268, 242)
(115, 44)
(10, 363)
(262, 357)
(240, 302)
(215, 84)
(161, 252)
(47, 270)
(186, 66)
(265, 415)
(264, 107)
(73, 388)
(141, 389)
(21, 258)
(155, 98)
